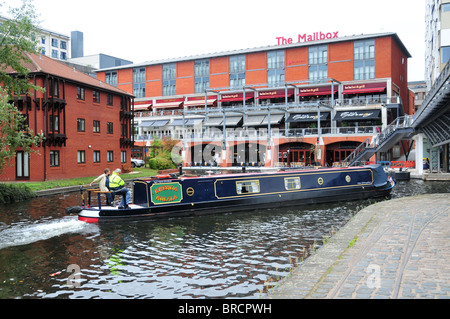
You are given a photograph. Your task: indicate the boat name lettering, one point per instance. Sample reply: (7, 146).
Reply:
(166, 193)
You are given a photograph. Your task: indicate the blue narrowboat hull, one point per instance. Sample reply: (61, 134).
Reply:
(184, 196)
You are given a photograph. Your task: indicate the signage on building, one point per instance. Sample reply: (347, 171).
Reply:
(308, 37)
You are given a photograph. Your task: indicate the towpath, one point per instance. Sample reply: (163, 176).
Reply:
(395, 249)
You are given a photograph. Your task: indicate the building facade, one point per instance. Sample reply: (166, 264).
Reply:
(86, 124)
(295, 104)
(437, 38)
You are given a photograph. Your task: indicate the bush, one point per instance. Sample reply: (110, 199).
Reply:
(10, 193)
(161, 162)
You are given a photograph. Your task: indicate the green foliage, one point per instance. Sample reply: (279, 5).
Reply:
(16, 34)
(10, 193)
(164, 154)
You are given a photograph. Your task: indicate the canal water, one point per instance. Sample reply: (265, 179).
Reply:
(46, 254)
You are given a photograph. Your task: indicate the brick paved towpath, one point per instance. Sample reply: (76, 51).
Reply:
(395, 249)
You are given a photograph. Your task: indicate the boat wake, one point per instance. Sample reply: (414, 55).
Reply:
(17, 235)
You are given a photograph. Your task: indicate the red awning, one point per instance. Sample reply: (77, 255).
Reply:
(320, 90)
(364, 88)
(200, 101)
(273, 94)
(169, 103)
(232, 97)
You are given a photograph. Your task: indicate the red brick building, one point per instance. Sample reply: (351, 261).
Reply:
(362, 80)
(86, 124)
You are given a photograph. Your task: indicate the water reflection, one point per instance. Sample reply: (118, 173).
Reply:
(216, 256)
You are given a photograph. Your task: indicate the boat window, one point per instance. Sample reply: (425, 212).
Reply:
(291, 183)
(247, 187)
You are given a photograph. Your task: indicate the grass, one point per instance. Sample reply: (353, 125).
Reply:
(37, 186)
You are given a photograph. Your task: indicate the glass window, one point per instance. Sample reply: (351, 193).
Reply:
(109, 99)
(55, 54)
(96, 126)
(364, 59)
(22, 165)
(96, 156)
(169, 79)
(63, 45)
(81, 157)
(275, 68)
(318, 63)
(81, 125)
(110, 156)
(445, 7)
(54, 158)
(80, 93)
(96, 96)
(237, 71)
(54, 43)
(111, 78)
(445, 51)
(139, 82)
(247, 187)
(201, 70)
(292, 183)
(123, 156)
(109, 127)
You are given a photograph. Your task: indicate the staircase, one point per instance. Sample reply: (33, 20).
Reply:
(398, 130)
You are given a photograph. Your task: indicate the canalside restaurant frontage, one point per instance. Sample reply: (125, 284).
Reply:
(287, 105)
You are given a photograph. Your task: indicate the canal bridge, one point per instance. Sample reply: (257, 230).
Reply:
(431, 120)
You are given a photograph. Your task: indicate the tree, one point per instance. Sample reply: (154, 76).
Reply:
(16, 40)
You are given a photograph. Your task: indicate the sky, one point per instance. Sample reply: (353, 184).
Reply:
(140, 31)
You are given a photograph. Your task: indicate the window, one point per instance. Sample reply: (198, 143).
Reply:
(54, 43)
(247, 187)
(53, 123)
(81, 125)
(42, 40)
(63, 45)
(169, 79)
(54, 158)
(22, 165)
(123, 156)
(109, 99)
(63, 55)
(237, 71)
(96, 96)
(55, 54)
(96, 156)
(445, 7)
(96, 127)
(318, 63)
(445, 52)
(201, 69)
(364, 60)
(109, 128)
(110, 156)
(80, 93)
(81, 157)
(291, 183)
(275, 68)
(139, 82)
(111, 78)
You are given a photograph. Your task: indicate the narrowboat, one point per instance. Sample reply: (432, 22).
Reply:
(182, 195)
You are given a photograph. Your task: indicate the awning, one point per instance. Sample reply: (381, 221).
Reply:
(254, 120)
(232, 120)
(142, 107)
(274, 94)
(320, 90)
(177, 122)
(274, 119)
(232, 97)
(214, 121)
(200, 101)
(308, 117)
(146, 124)
(357, 115)
(193, 122)
(169, 103)
(160, 123)
(364, 88)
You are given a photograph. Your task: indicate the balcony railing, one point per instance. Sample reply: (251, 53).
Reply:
(261, 134)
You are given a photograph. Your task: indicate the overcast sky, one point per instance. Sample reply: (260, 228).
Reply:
(151, 30)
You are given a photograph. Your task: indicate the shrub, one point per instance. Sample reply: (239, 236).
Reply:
(161, 162)
(10, 193)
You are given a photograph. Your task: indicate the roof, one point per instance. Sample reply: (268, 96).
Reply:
(265, 48)
(43, 64)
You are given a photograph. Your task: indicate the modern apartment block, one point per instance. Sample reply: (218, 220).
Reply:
(437, 38)
(285, 105)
